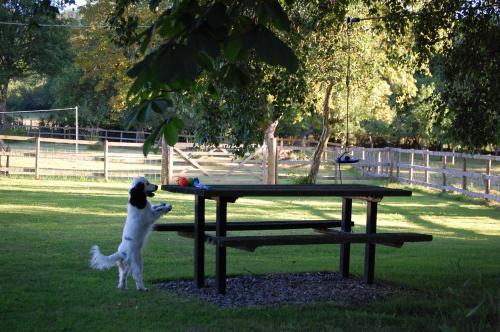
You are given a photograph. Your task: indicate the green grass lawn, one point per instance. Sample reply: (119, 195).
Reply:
(47, 228)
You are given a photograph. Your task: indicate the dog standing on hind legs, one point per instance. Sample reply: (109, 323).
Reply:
(141, 216)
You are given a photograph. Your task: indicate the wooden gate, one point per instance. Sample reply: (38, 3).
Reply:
(216, 165)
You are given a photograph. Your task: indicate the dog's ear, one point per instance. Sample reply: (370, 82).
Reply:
(138, 196)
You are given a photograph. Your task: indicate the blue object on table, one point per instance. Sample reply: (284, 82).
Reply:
(199, 185)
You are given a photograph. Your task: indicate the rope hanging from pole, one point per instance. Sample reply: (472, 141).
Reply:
(345, 158)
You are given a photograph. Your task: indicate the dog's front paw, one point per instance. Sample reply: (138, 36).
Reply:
(163, 208)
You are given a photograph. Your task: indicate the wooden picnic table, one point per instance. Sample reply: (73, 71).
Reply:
(224, 194)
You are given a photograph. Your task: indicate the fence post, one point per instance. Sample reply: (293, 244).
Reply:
(464, 177)
(271, 162)
(276, 160)
(412, 158)
(445, 161)
(76, 129)
(487, 181)
(379, 160)
(363, 158)
(167, 162)
(37, 158)
(398, 168)
(391, 163)
(8, 160)
(106, 160)
(264, 162)
(426, 172)
(335, 168)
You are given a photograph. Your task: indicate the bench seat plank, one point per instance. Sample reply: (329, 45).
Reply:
(250, 243)
(335, 231)
(251, 225)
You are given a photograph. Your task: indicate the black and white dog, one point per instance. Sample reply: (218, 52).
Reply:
(140, 219)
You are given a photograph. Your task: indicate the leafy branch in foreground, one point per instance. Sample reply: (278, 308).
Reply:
(189, 38)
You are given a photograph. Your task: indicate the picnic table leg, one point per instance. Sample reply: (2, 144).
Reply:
(220, 251)
(345, 226)
(199, 241)
(371, 227)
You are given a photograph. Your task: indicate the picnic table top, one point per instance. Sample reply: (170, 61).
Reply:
(343, 190)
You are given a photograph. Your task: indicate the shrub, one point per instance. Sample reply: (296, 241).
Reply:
(16, 132)
(301, 179)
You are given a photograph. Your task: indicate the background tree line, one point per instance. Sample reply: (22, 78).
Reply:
(424, 73)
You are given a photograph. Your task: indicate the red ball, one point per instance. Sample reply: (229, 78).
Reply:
(182, 181)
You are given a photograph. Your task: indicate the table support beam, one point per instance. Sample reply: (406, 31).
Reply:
(199, 241)
(220, 251)
(371, 227)
(345, 249)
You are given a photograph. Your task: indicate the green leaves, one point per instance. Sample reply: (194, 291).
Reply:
(173, 65)
(196, 34)
(172, 129)
(169, 129)
(235, 76)
(142, 113)
(272, 50)
(198, 37)
(271, 11)
(153, 4)
(202, 41)
(268, 47)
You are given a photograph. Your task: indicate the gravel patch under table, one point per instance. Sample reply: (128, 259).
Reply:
(284, 288)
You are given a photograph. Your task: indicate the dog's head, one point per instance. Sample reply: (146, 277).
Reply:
(140, 190)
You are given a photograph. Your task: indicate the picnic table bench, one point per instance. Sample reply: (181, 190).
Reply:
(327, 230)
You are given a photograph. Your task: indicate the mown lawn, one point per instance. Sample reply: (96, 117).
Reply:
(47, 228)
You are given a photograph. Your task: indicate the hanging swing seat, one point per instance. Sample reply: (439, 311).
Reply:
(347, 159)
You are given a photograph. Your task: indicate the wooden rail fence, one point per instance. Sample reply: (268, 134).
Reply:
(471, 175)
(472, 170)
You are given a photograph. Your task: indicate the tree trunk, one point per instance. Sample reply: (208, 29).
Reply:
(3, 100)
(271, 158)
(323, 140)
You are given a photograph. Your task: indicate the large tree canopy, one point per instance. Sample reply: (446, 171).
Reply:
(219, 38)
(28, 49)
(470, 70)
(459, 38)
(211, 55)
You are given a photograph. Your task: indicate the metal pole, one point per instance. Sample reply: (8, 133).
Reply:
(76, 129)
(348, 82)
(37, 158)
(349, 22)
(106, 160)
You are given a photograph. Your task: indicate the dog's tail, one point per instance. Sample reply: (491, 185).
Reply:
(100, 262)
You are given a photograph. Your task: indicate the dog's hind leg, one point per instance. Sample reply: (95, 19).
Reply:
(136, 269)
(122, 275)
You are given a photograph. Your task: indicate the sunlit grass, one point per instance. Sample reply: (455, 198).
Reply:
(47, 228)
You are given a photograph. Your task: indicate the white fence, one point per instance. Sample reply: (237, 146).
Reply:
(112, 135)
(472, 175)
(45, 157)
